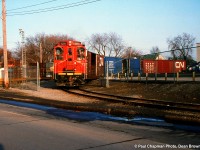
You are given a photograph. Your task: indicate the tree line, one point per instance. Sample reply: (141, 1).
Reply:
(106, 44)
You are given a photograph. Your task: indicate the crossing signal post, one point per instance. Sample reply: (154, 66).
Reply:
(6, 80)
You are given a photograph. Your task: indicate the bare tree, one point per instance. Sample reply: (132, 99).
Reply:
(155, 50)
(10, 58)
(106, 44)
(181, 46)
(98, 43)
(130, 52)
(17, 51)
(116, 45)
(47, 44)
(32, 47)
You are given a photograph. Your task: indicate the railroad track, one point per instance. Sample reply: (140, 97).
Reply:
(153, 103)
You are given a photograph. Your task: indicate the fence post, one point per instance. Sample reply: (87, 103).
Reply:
(156, 73)
(146, 76)
(177, 76)
(107, 80)
(118, 75)
(139, 76)
(193, 76)
(38, 76)
(131, 76)
(165, 76)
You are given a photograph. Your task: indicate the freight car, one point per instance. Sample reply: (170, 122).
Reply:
(74, 64)
(142, 66)
(118, 65)
(163, 66)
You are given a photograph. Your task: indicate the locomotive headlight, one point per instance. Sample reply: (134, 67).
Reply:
(70, 43)
(74, 63)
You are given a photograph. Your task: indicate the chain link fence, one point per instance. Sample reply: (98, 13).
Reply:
(26, 77)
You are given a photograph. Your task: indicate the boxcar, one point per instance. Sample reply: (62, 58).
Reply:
(163, 66)
(131, 65)
(95, 65)
(119, 65)
(114, 65)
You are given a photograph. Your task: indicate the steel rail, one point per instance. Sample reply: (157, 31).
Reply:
(152, 103)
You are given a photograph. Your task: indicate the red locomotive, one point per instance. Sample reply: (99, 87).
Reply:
(73, 64)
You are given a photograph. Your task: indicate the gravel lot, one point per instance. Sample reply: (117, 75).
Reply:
(180, 92)
(51, 93)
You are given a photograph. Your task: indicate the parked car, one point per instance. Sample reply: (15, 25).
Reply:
(195, 67)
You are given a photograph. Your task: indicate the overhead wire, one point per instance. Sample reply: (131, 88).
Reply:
(49, 8)
(173, 50)
(24, 7)
(10, 12)
(80, 3)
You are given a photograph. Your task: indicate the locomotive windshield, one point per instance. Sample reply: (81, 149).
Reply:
(80, 53)
(59, 53)
(69, 51)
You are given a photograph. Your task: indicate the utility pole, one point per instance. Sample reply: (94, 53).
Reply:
(6, 80)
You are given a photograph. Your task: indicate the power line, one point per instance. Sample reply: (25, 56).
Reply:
(53, 8)
(173, 50)
(80, 3)
(31, 5)
(49, 8)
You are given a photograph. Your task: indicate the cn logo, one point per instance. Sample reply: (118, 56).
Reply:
(179, 64)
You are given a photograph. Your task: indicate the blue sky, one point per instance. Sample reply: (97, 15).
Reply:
(141, 23)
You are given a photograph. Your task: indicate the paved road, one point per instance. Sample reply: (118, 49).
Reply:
(31, 129)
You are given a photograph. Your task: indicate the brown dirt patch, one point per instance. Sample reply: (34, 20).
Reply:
(179, 92)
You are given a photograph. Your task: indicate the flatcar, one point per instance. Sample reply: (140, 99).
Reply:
(74, 64)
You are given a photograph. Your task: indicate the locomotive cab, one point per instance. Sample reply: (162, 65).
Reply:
(69, 63)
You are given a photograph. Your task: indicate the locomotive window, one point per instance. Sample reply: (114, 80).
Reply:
(69, 51)
(80, 53)
(59, 53)
(69, 59)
